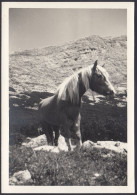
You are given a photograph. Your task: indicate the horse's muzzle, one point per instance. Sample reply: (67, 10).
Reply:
(111, 94)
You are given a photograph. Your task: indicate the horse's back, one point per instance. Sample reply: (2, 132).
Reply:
(49, 110)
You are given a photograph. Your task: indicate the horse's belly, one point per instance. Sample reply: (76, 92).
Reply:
(49, 111)
(58, 113)
(69, 112)
(50, 116)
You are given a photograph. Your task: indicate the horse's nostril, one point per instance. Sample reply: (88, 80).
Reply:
(112, 92)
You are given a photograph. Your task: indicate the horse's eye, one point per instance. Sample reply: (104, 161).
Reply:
(99, 76)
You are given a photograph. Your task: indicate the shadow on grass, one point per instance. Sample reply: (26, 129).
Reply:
(103, 120)
(23, 115)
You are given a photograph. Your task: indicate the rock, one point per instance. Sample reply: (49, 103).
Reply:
(108, 155)
(121, 90)
(53, 149)
(28, 138)
(83, 51)
(20, 177)
(35, 142)
(62, 145)
(119, 147)
(87, 145)
(117, 144)
(40, 143)
(13, 181)
(120, 105)
(99, 143)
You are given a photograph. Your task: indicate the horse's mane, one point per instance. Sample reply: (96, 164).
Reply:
(103, 71)
(69, 89)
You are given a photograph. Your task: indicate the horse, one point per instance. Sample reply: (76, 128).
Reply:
(62, 110)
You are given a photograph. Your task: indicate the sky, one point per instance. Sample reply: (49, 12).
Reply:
(37, 28)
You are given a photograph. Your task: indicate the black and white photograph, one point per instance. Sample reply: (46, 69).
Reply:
(68, 97)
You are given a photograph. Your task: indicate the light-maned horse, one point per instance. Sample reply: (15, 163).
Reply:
(62, 110)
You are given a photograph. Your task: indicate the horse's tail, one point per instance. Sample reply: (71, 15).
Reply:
(39, 117)
(39, 109)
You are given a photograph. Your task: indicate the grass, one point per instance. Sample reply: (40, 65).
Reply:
(104, 120)
(83, 168)
(105, 129)
(98, 167)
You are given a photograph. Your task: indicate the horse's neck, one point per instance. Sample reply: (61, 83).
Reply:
(82, 88)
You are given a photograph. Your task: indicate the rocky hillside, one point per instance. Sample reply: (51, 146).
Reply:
(44, 69)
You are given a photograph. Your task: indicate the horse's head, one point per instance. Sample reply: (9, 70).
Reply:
(99, 81)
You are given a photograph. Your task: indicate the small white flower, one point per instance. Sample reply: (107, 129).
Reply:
(96, 175)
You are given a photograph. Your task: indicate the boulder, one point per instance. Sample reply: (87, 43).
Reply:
(87, 145)
(35, 142)
(40, 143)
(119, 147)
(20, 177)
(62, 145)
(47, 148)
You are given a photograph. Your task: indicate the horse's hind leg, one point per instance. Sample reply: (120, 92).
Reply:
(56, 129)
(49, 135)
(48, 132)
(68, 137)
(76, 128)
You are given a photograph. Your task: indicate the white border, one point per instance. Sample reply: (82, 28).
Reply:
(5, 99)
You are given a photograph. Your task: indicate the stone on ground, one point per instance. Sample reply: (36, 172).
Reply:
(35, 142)
(88, 145)
(20, 177)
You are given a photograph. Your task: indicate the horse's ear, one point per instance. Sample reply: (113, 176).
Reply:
(95, 65)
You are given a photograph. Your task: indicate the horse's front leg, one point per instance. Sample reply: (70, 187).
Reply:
(67, 134)
(68, 141)
(76, 128)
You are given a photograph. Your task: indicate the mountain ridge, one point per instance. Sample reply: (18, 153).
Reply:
(27, 67)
